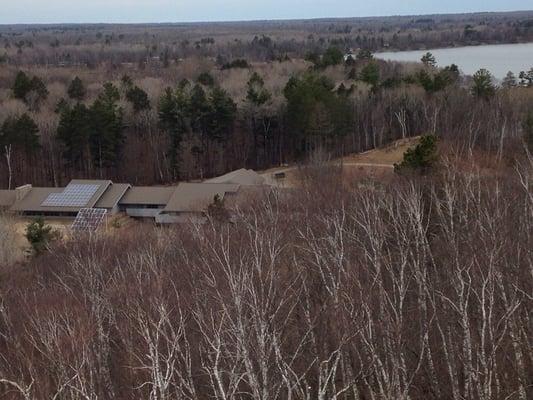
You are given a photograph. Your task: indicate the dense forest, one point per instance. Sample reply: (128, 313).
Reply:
(195, 120)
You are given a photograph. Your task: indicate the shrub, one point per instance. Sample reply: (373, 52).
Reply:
(206, 79)
(332, 56)
(429, 60)
(238, 63)
(217, 210)
(370, 74)
(421, 158)
(138, 98)
(40, 235)
(364, 54)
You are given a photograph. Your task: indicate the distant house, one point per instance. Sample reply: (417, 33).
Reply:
(163, 204)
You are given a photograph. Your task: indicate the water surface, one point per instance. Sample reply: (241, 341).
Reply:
(498, 59)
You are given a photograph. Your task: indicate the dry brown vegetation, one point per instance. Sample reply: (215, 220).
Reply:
(10, 248)
(418, 289)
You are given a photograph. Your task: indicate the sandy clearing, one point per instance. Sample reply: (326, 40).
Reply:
(380, 160)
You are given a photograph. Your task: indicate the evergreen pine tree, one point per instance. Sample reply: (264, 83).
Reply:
(138, 98)
(21, 86)
(173, 119)
(76, 89)
(429, 60)
(223, 111)
(482, 85)
(73, 132)
(21, 133)
(421, 158)
(106, 124)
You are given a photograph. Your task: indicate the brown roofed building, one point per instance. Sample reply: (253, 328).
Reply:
(61, 202)
(146, 201)
(191, 201)
(164, 204)
(112, 196)
(31, 204)
(148, 195)
(196, 197)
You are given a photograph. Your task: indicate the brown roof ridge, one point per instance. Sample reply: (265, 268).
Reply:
(196, 197)
(156, 195)
(240, 176)
(112, 196)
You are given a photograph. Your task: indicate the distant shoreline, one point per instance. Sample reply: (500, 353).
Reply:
(499, 59)
(454, 47)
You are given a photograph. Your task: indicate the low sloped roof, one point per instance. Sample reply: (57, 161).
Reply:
(112, 195)
(7, 198)
(33, 201)
(196, 197)
(240, 177)
(148, 195)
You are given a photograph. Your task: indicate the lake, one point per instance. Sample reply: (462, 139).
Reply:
(498, 59)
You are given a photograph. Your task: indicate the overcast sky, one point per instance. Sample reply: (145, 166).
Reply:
(52, 11)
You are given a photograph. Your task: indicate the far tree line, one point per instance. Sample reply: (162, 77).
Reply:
(167, 45)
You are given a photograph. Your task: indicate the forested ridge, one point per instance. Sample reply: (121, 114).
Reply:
(189, 105)
(153, 130)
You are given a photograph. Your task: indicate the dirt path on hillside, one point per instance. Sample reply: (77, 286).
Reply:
(379, 159)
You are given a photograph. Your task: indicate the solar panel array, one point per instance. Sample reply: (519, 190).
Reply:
(74, 195)
(89, 219)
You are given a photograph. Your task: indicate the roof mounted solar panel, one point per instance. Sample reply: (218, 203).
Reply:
(74, 195)
(89, 219)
